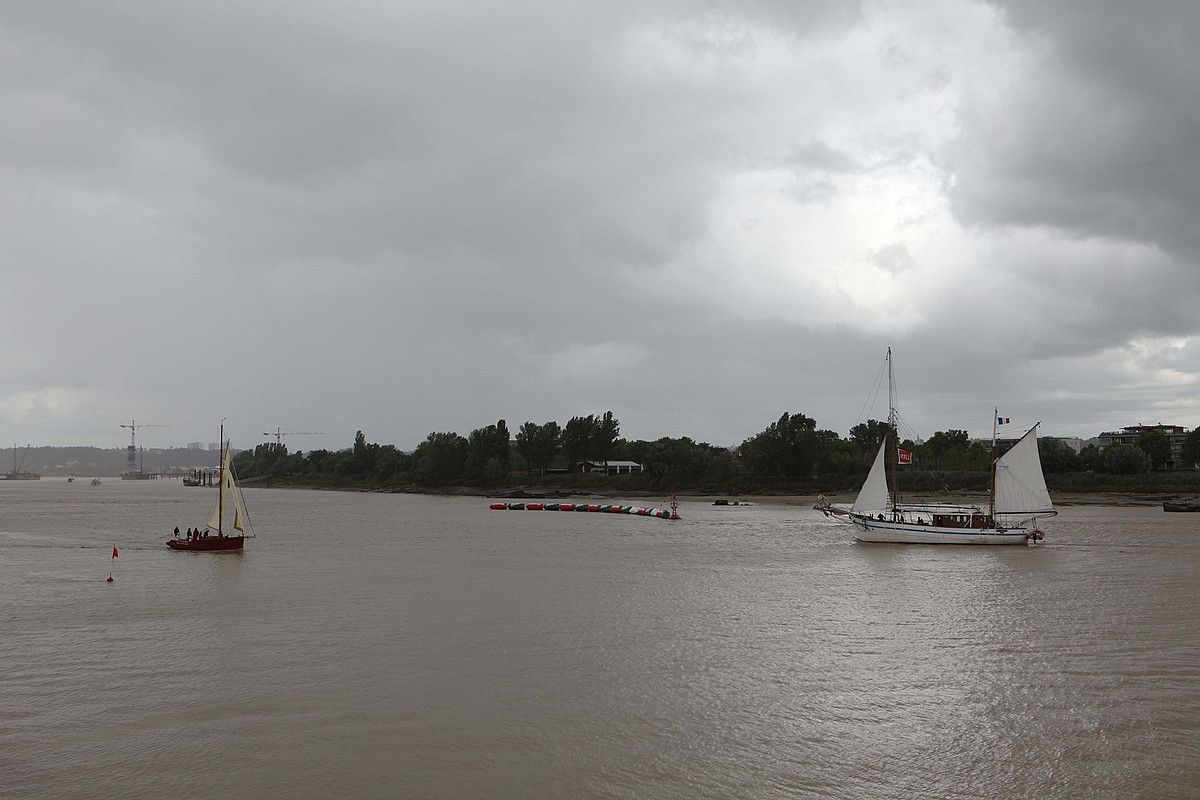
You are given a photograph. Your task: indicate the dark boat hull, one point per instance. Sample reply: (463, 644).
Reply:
(212, 543)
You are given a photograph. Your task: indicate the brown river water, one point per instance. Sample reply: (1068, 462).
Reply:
(385, 646)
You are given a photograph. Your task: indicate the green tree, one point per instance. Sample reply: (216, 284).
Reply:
(267, 459)
(1189, 456)
(1091, 459)
(487, 451)
(577, 438)
(868, 435)
(440, 458)
(1057, 456)
(947, 450)
(548, 444)
(605, 431)
(836, 455)
(978, 457)
(320, 462)
(1157, 447)
(527, 444)
(785, 449)
(365, 456)
(392, 463)
(538, 444)
(672, 460)
(500, 443)
(1123, 459)
(243, 464)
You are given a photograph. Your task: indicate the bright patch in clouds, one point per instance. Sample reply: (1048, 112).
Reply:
(818, 263)
(846, 223)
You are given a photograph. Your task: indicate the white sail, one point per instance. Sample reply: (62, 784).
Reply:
(1020, 486)
(873, 496)
(214, 519)
(228, 488)
(239, 505)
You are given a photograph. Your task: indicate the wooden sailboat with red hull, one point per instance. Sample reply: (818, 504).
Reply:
(209, 543)
(214, 538)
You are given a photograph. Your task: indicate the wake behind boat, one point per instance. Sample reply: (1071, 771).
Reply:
(214, 537)
(1017, 496)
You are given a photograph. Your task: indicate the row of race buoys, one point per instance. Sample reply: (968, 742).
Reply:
(592, 507)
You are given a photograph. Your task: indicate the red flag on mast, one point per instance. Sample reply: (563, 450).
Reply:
(114, 551)
(904, 456)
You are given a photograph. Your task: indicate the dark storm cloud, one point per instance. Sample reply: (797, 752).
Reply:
(512, 129)
(425, 216)
(1096, 131)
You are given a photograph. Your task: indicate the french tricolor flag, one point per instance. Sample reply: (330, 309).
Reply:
(1003, 420)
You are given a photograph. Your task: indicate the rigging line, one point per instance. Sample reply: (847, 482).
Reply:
(909, 430)
(238, 485)
(895, 385)
(901, 421)
(873, 394)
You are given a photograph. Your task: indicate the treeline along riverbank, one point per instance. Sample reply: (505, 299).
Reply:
(790, 456)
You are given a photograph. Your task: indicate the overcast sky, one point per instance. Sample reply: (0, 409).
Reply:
(420, 216)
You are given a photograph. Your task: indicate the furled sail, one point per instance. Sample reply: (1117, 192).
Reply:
(873, 496)
(1020, 486)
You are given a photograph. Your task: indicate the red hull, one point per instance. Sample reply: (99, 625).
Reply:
(211, 543)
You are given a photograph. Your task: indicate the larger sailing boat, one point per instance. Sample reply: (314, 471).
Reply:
(214, 536)
(1017, 497)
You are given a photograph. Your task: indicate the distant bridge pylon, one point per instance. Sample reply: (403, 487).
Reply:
(131, 451)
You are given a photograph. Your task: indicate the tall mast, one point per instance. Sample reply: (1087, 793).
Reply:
(895, 457)
(992, 486)
(221, 490)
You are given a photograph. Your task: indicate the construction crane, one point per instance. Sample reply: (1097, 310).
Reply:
(279, 434)
(131, 451)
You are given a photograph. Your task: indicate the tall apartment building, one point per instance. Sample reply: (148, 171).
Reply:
(1130, 433)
